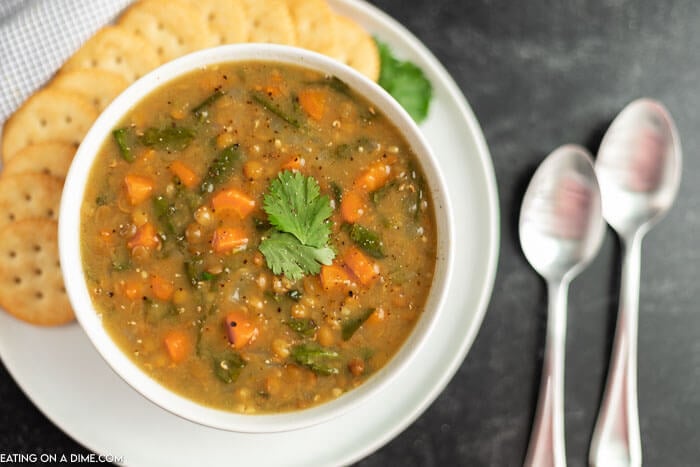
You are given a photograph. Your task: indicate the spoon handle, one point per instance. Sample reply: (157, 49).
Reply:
(546, 447)
(616, 439)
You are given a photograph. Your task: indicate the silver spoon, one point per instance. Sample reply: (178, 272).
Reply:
(639, 169)
(561, 229)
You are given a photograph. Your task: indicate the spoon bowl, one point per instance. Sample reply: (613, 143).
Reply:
(639, 170)
(561, 229)
(639, 167)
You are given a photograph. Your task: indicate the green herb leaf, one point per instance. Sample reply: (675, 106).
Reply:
(318, 359)
(406, 82)
(228, 367)
(353, 324)
(267, 104)
(285, 254)
(221, 168)
(201, 110)
(172, 138)
(294, 205)
(306, 327)
(125, 138)
(368, 241)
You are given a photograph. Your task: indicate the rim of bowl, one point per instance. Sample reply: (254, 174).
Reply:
(70, 251)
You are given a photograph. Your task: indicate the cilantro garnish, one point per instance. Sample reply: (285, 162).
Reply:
(298, 243)
(405, 82)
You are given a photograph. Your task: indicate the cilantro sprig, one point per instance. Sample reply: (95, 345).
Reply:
(406, 82)
(298, 243)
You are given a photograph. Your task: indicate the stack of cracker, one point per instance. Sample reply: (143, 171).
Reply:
(40, 139)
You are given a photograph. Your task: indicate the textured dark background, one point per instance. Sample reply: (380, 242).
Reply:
(538, 74)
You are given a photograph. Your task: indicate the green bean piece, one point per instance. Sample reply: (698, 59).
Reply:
(350, 326)
(201, 111)
(221, 168)
(267, 104)
(316, 358)
(164, 211)
(294, 294)
(124, 138)
(172, 138)
(370, 242)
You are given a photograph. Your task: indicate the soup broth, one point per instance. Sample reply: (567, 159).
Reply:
(257, 237)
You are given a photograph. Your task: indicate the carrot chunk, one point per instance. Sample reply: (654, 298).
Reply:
(145, 236)
(313, 101)
(352, 206)
(178, 345)
(184, 173)
(229, 239)
(234, 200)
(239, 330)
(334, 277)
(295, 163)
(374, 177)
(162, 288)
(361, 266)
(138, 188)
(133, 289)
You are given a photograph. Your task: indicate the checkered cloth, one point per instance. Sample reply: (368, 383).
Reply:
(37, 36)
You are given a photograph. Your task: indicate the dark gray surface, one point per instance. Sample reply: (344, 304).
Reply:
(538, 74)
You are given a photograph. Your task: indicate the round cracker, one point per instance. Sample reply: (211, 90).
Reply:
(98, 86)
(27, 196)
(48, 115)
(358, 49)
(31, 284)
(115, 49)
(172, 30)
(226, 20)
(269, 21)
(314, 25)
(50, 158)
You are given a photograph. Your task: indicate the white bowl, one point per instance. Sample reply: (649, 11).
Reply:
(89, 317)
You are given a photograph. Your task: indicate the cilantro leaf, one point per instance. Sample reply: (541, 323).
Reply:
(405, 82)
(285, 254)
(294, 205)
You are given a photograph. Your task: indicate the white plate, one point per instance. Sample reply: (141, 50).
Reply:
(66, 379)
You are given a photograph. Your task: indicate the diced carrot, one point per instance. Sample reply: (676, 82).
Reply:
(239, 330)
(295, 163)
(178, 344)
(133, 289)
(234, 200)
(145, 236)
(313, 101)
(334, 276)
(162, 288)
(361, 266)
(376, 317)
(352, 206)
(138, 188)
(374, 177)
(184, 173)
(229, 239)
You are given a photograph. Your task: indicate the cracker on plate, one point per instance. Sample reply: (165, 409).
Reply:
(29, 195)
(357, 48)
(115, 49)
(98, 86)
(48, 115)
(31, 284)
(269, 21)
(171, 30)
(314, 25)
(226, 20)
(49, 157)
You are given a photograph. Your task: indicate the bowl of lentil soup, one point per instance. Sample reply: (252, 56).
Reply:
(262, 238)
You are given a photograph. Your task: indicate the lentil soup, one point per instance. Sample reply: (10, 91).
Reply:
(257, 237)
